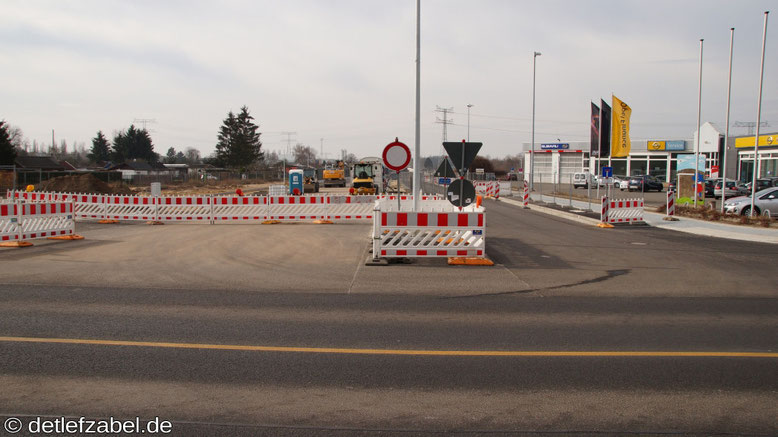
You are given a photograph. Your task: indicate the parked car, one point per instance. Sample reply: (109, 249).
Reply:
(581, 179)
(761, 184)
(645, 183)
(765, 203)
(710, 186)
(621, 182)
(732, 189)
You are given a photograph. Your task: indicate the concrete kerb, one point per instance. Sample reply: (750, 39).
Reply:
(554, 212)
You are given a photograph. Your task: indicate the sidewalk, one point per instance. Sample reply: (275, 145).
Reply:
(684, 224)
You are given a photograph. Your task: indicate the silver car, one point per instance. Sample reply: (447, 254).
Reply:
(765, 203)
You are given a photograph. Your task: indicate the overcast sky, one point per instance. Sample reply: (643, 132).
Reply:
(344, 70)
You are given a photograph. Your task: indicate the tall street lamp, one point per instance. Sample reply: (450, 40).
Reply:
(468, 121)
(532, 155)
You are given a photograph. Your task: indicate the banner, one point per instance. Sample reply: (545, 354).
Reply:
(605, 129)
(621, 142)
(594, 148)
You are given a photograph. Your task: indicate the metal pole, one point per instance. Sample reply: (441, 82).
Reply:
(532, 155)
(758, 116)
(726, 131)
(697, 146)
(468, 121)
(417, 144)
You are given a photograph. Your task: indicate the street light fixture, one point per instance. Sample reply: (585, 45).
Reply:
(532, 155)
(468, 121)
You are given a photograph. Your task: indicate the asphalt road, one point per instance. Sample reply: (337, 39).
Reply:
(576, 329)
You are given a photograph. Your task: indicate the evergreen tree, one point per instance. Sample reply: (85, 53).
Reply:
(170, 158)
(100, 148)
(239, 145)
(133, 144)
(7, 149)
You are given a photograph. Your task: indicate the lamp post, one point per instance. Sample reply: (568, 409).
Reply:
(468, 121)
(758, 117)
(532, 155)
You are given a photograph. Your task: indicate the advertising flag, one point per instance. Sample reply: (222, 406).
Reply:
(605, 130)
(621, 142)
(594, 148)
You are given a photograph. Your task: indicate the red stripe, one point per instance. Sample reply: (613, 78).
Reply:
(442, 253)
(443, 219)
(462, 252)
(480, 220)
(421, 253)
(402, 219)
(462, 220)
(421, 220)
(383, 219)
(402, 252)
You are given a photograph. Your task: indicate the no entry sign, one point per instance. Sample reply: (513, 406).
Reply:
(397, 155)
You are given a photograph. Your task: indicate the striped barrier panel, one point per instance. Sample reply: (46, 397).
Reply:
(487, 188)
(27, 221)
(407, 234)
(624, 210)
(604, 210)
(215, 209)
(670, 203)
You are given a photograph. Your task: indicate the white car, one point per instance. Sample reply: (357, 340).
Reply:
(620, 183)
(765, 203)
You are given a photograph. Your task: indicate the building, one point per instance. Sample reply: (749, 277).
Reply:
(660, 157)
(740, 156)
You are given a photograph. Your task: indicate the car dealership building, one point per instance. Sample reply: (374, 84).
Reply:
(660, 157)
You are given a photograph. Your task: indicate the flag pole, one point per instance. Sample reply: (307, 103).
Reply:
(758, 116)
(726, 131)
(697, 146)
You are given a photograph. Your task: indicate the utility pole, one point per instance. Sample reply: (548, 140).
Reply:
(469, 105)
(288, 142)
(143, 121)
(321, 146)
(446, 121)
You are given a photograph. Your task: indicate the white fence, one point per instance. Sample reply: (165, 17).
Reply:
(27, 221)
(436, 231)
(215, 209)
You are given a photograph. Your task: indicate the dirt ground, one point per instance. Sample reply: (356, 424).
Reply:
(211, 187)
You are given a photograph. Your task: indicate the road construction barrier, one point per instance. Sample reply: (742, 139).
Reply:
(487, 188)
(20, 221)
(526, 194)
(621, 210)
(436, 230)
(670, 203)
(217, 209)
(505, 188)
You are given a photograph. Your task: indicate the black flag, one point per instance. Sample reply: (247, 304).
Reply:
(605, 130)
(594, 147)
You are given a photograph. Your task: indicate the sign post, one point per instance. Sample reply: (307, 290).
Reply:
(396, 157)
(462, 155)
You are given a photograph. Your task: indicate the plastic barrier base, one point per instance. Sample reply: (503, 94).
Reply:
(472, 261)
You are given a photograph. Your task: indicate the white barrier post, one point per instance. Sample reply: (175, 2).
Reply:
(604, 214)
(526, 195)
(670, 211)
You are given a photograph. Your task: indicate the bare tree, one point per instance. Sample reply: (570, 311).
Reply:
(304, 155)
(192, 156)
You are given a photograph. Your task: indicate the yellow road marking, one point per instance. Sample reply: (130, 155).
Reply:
(451, 353)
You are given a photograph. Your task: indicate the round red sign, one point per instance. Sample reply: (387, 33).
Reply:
(397, 155)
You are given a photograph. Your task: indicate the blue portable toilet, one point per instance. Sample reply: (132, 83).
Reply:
(296, 182)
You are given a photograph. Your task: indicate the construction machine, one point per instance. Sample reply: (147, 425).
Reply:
(334, 174)
(368, 176)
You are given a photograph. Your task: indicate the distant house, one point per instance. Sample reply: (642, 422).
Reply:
(41, 163)
(178, 170)
(131, 168)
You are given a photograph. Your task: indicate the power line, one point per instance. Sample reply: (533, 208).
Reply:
(143, 121)
(750, 125)
(288, 141)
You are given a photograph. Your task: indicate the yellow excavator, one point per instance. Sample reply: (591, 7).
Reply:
(368, 176)
(334, 174)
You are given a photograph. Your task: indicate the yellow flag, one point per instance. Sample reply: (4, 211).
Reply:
(620, 143)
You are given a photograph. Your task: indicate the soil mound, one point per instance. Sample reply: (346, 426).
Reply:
(85, 183)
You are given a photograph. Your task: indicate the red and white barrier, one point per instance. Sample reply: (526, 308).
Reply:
(28, 221)
(526, 194)
(622, 211)
(445, 233)
(487, 188)
(217, 209)
(670, 203)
